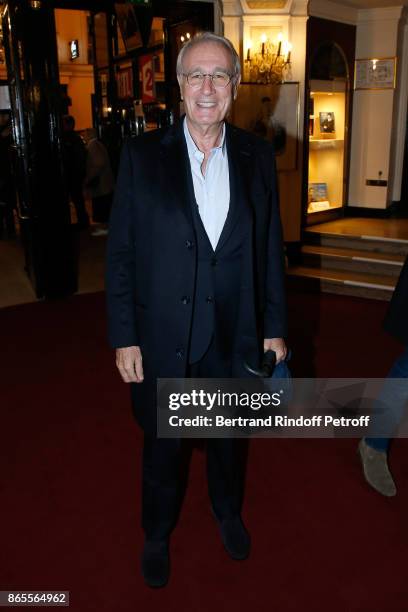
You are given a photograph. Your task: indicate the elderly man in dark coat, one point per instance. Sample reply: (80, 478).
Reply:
(195, 280)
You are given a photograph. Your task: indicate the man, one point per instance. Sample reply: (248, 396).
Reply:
(99, 182)
(74, 158)
(195, 279)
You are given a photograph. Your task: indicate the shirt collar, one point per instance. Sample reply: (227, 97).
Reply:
(193, 150)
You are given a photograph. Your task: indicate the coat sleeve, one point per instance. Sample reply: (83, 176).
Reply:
(396, 320)
(120, 268)
(275, 317)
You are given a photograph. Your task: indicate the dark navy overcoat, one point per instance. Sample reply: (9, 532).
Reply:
(152, 255)
(396, 320)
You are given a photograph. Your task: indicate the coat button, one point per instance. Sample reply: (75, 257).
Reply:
(179, 353)
(214, 261)
(189, 244)
(209, 299)
(185, 299)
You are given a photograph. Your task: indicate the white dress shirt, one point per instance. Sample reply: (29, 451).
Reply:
(212, 191)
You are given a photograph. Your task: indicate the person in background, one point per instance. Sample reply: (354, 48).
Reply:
(99, 182)
(374, 449)
(74, 159)
(7, 188)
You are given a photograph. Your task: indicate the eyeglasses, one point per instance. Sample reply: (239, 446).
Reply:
(218, 79)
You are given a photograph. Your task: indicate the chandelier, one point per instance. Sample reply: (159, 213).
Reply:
(270, 63)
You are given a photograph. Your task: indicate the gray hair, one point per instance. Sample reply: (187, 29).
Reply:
(204, 37)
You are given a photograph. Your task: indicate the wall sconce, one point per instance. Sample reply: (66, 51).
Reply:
(185, 38)
(270, 63)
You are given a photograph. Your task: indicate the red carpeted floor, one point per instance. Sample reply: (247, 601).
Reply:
(70, 473)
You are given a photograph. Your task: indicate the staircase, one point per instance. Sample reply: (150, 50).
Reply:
(362, 266)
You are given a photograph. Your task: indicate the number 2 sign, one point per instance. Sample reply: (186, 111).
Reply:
(146, 66)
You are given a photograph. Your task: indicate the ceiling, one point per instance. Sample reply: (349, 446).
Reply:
(366, 4)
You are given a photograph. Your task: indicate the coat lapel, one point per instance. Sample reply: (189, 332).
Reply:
(240, 159)
(175, 173)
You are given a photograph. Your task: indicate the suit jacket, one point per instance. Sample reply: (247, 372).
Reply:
(152, 255)
(396, 319)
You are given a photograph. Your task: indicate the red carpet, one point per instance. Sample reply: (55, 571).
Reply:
(69, 480)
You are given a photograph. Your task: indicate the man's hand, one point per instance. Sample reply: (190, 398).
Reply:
(278, 345)
(129, 364)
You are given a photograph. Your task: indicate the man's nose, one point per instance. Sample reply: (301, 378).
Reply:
(208, 85)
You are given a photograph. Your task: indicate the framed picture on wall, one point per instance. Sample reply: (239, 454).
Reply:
(327, 125)
(317, 192)
(271, 112)
(129, 26)
(375, 73)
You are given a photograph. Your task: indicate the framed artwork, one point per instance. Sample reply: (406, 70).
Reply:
(375, 73)
(317, 197)
(271, 112)
(317, 192)
(74, 49)
(327, 125)
(129, 26)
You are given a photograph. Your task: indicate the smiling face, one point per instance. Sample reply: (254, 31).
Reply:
(207, 106)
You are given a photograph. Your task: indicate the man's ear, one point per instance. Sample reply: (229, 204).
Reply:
(179, 79)
(237, 81)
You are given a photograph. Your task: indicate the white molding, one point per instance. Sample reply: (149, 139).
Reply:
(299, 8)
(390, 13)
(333, 11)
(280, 22)
(299, 18)
(248, 11)
(231, 8)
(269, 20)
(232, 29)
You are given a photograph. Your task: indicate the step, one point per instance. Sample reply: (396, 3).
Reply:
(355, 260)
(373, 244)
(379, 287)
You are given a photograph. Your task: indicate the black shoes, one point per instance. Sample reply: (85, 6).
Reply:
(155, 563)
(155, 557)
(235, 538)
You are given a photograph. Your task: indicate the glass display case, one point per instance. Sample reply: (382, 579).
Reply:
(327, 146)
(327, 114)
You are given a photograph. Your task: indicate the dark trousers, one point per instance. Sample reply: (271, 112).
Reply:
(394, 397)
(163, 482)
